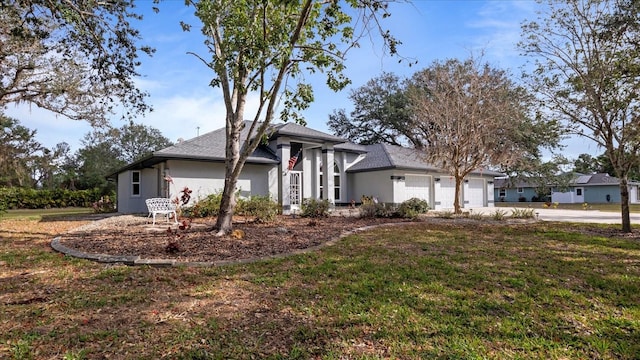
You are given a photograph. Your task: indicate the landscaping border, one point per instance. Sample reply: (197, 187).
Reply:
(136, 260)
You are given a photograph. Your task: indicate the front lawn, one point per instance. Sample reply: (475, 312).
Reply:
(634, 208)
(431, 290)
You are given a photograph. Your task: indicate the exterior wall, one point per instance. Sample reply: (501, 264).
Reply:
(134, 204)
(598, 194)
(512, 194)
(490, 188)
(634, 194)
(208, 178)
(373, 183)
(389, 186)
(202, 178)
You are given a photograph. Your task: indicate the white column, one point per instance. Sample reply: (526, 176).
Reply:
(307, 173)
(284, 153)
(327, 173)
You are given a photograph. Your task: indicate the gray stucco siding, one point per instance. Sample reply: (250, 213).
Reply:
(377, 184)
(134, 204)
(204, 179)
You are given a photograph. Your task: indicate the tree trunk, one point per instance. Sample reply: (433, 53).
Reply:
(624, 205)
(456, 201)
(224, 223)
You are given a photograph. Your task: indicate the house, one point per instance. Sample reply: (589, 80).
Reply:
(506, 190)
(594, 188)
(389, 173)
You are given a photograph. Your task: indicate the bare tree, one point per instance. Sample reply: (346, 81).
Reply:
(587, 75)
(474, 117)
(267, 47)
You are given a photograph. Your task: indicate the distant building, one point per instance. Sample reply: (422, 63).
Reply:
(595, 188)
(506, 190)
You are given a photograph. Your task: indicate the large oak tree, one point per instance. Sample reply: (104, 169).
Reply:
(75, 58)
(268, 48)
(380, 114)
(586, 74)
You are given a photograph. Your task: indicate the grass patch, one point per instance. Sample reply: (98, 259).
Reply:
(39, 214)
(610, 207)
(437, 290)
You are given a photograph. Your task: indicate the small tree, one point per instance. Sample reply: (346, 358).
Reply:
(474, 116)
(266, 48)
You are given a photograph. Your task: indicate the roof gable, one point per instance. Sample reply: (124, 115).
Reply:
(299, 131)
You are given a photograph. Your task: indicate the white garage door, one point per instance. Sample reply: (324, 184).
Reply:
(417, 186)
(445, 192)
(474, 193)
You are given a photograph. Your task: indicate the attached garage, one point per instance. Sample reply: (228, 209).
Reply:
(474, 193)
(418, 186)
(445, 192)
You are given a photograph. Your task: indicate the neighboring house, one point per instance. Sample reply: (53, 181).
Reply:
(390, 174)
(519, 191)
(595, 188)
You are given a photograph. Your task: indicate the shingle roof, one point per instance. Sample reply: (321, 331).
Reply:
(598, 179)
(385, 156)
(295, 130)
(211, 146)
(506, 183)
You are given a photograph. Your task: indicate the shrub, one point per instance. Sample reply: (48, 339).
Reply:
(315, 208)
(262, 208)
(104, 205)
(523, 213)
(412, 208)
(446, 214)
(522, 199)
(206, 207)
(498, 215)
(381, 210)
(24, 198)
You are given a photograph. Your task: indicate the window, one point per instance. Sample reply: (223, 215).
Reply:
(520, 190)
(578, 191)
(502, 192)
(135, 183)
(336, 182)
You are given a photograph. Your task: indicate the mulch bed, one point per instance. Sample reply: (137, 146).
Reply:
(129, 235)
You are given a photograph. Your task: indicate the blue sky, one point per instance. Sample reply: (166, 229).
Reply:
(184, 105)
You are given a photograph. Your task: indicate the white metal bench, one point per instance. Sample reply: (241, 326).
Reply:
(161, 206)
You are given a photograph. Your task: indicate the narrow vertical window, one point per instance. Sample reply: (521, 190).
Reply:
(336, 182)
(135, 183)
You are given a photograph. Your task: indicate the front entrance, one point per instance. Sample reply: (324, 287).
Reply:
(295, 189)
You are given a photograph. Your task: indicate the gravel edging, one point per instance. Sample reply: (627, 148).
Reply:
(136, 260)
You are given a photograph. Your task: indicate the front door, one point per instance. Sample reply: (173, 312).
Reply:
(295, 189)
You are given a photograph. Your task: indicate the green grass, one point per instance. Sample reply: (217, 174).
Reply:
(38, 214)
(442, 291)
(540, 205)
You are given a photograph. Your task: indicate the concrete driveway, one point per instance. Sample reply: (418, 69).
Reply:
(581, 216)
